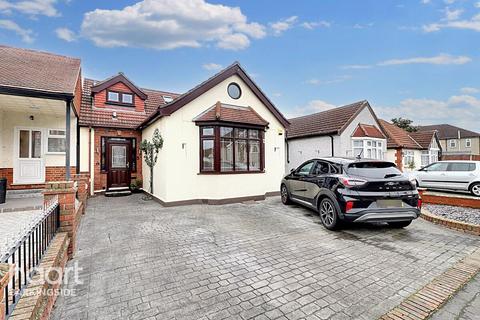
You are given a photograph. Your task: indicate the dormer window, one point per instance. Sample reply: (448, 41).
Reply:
(120, 98)
(167, 99)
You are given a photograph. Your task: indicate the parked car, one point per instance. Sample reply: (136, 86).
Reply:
(351, 190)
(450, 175)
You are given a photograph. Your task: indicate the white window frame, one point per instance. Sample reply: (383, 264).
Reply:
(468, 143)
(408, 157)
(452, 143)
(48, 135)
(378, 152)
(169, 98)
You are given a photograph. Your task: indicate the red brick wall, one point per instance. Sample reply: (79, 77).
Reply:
(100, 178)
(51, 174)
(461, 157)
(100, 98)
(399, 159)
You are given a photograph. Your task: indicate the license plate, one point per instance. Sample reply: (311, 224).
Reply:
(389, 203)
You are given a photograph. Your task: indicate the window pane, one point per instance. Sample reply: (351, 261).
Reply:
(305, 169)
(226, 155)
(56, 132)
(254, 155)
(358, 143)
(254, 134)
(226, 132)
(208, 155)
(113, 96)
(439, 166)
(240, 133)
(241, 155)
(36, 144)
(459, 166)
(103, 161)
(357, 151)
(24, 146)
(208, 131)
(56, 145)
(127, 98)
(119, 157)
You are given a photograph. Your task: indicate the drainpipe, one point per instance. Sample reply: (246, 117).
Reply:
(78, 148)
(67, 137)
(333, 146)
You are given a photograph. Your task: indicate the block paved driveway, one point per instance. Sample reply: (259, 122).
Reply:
(258, 260)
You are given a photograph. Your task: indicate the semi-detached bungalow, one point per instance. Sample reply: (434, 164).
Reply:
(224, 140)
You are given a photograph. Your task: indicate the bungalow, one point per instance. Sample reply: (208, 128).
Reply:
(411, 150)
(39, 108)
(349, 131)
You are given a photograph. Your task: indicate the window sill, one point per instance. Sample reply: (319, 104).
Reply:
(55, 153)
(119, 104)
(228, 173)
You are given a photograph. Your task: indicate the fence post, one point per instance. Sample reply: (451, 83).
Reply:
(5, 275)
(69, 211)
(83, 185)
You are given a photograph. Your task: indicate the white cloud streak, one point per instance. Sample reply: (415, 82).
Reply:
(66, 34)
(441, 59)
(212, 66)
(25, 34)
(30, 7)
(283, 25)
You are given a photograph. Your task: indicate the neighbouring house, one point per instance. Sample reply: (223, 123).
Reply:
(224, 141)
(110, 114)
(410, 151)
(39, 107)
(349, 131)
(456, 143)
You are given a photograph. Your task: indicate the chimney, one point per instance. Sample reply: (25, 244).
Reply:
(218, 107)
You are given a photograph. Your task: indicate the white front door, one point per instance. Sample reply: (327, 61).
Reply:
(29, 166)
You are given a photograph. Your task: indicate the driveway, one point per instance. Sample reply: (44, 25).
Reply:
(257, 260)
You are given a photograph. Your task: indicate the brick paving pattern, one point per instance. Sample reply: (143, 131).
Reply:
(246, 261)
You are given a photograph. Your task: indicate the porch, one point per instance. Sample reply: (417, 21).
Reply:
(38, 139)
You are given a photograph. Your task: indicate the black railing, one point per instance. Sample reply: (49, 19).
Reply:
(27, 253)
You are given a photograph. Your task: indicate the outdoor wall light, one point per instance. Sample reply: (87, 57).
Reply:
(184, 145)
(31, 118)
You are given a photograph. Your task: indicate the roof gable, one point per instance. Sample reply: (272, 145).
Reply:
(333, 121)
(234, 69)
(230, 113)
(397, 137)
(423, 138)
(368, 131)
(103, 85)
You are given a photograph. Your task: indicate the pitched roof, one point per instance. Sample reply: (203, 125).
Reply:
(397, 137)
(120, 77)
(331, 121)
(423, 138)
(447, 131)
(39, 71)
(102, 117)
(231, 113)
(368, 130)
(233, 69)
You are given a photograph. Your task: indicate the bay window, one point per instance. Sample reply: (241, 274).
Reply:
(225, 149)
(368, 148)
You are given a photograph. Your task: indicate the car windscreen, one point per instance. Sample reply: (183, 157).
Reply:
(373, 169)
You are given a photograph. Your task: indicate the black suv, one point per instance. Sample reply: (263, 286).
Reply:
(351, 190)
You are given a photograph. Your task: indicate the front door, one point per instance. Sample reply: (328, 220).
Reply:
(118, 154)
(29, 163)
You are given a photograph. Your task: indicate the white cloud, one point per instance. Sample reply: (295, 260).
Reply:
(425, 1)
(469, 90)
(338, 79)
(452, 14)
(212, 66)
(66, 34)
(283, 25)
(477, 4)
(441, 59)
(316, 24)
(25, 34)
(363, 26)
(461, 110)
(454, 23)
(31, 7)
(313, 106)
(170, 24)
(356, 66)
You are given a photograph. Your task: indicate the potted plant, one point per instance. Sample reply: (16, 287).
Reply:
(136, 186)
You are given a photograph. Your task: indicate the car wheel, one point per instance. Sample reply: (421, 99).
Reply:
(328, 214)
(475, 189)
(400, 224)
(284, 195)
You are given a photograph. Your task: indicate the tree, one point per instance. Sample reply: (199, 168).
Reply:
(405, 124)
(150, 151)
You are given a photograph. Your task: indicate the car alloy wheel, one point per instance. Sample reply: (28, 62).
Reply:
(328, 214)
(284, 195)
(476, 189)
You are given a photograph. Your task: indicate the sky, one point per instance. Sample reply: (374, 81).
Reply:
(417, 59)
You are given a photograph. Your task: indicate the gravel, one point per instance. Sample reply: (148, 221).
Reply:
(463, 214)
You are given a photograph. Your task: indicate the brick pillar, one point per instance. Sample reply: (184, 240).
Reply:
(399, 159)
(69, 212)
(6, 271)
(83, 185)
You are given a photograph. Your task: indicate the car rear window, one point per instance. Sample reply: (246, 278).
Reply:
(461, 166)
(374, 169)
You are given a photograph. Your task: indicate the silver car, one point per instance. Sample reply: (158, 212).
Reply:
(450, 175)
